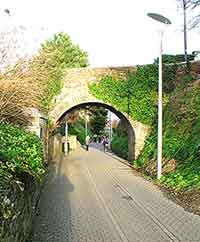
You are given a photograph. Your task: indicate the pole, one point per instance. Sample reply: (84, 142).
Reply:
(66, 137)
(185, 32)
(110, 129)
(128, 97)
(85, 126)
(159, 159)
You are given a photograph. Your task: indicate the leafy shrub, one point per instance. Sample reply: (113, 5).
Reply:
(78, 129)
(21, 157)
(119, 144)
(171, 59)
(21, 151)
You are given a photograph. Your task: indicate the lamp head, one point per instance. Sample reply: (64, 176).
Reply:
(159, 18)
(7, 11)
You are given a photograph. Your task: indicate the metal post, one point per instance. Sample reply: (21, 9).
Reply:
(159, 159)
(85, 126)
(165, 21)
(185, 32)
(128, 96)
(110, 128)
(66, 137)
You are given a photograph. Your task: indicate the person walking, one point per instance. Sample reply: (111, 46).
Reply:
(105, 144)
(87, 142)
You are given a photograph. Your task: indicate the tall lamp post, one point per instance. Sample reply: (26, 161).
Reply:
(165, 21)
(184, 5)
(110, 128)
(86, 123)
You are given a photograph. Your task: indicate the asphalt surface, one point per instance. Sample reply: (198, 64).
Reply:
(92, 197)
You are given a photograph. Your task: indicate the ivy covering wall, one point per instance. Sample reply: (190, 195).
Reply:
(181, 118)
(138, 91)
(181, 140)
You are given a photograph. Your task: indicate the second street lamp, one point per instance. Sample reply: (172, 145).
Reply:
(165, 21)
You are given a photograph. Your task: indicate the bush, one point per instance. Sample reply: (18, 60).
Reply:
(21, 157)
(119, 145)
(171, 59)
(20, 151)
(78, 129)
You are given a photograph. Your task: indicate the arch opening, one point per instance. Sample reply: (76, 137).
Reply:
(120, 115)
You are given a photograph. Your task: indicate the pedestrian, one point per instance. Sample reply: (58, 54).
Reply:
(87, 142)
(105, 143)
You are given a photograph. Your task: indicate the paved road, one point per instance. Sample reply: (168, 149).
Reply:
(92, 197)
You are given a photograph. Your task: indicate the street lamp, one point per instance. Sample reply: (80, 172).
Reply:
(110, 128)
(165, 21)
(86, 123)
(7, 11)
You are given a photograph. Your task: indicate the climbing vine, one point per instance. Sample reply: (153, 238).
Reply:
(180, 137)
(139, 90)
(181, 118)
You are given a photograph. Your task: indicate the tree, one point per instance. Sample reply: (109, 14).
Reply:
(18, 93)
(55, 56)
(98, 120)
(194, 21)
(189, 6)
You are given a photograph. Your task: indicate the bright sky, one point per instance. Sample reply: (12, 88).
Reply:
(113, 32)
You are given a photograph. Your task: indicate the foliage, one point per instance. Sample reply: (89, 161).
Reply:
(139, 89)
(180, 138)
(78, 129)
(181, 119)
(98, 120)
(21, 156)
(35, 83)
(18, 92)
(21, 151)
(119, 143)
(171, 59)
(48, 66)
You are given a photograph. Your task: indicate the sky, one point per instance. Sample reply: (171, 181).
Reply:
(112, 32)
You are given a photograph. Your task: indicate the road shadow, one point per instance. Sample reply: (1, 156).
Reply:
(53, 219)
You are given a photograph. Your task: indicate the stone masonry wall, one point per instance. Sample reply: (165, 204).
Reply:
(23, 206)
(75, 91)
(75, 87)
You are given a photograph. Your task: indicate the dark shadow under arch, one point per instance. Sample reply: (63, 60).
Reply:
(130, 129)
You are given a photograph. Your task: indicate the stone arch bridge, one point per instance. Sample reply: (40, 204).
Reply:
(75, 93)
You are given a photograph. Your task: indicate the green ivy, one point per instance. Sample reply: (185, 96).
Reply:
(181, 118)
(139, 89)
(180, 138)
(171, 59)
(119, 145)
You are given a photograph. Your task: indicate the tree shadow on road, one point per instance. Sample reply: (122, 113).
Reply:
(53, 220)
